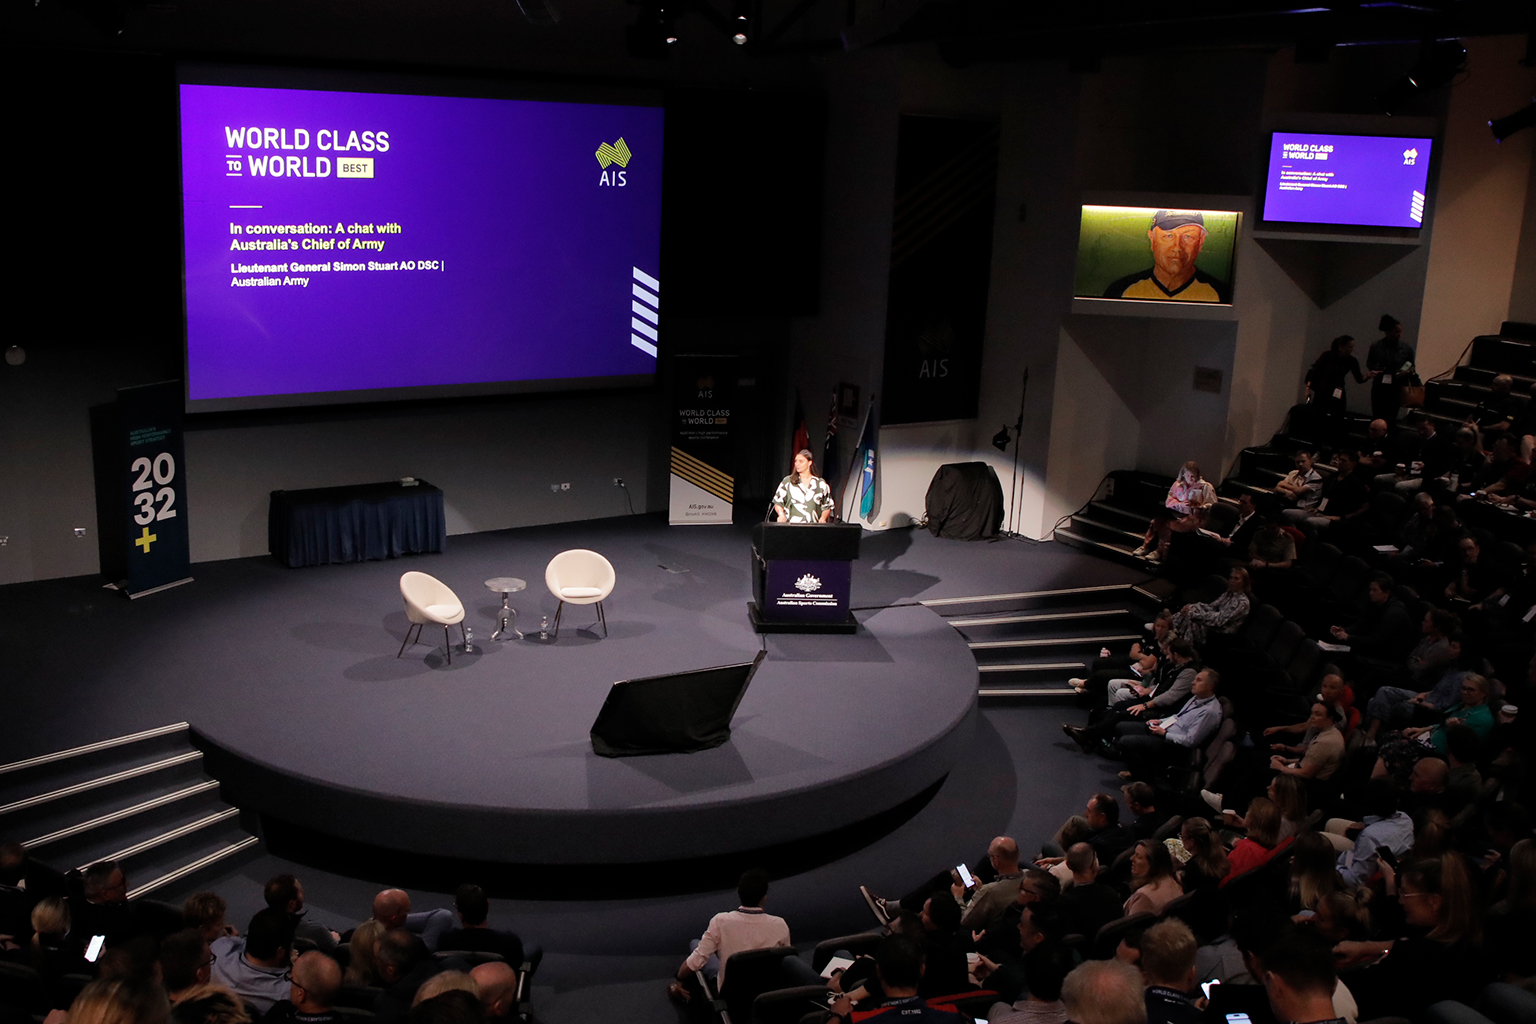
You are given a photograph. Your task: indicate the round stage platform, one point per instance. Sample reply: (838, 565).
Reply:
(490, 759)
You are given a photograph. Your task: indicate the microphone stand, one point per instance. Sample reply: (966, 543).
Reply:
(1014, 516)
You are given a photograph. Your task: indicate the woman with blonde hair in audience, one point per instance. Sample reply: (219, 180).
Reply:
(1262, 841)
(1437, 953)
(133, 1000)
(1153, 883)
(209, 1003)
(363, 964)
(1314, 871)
(1223, 615)
(1207, 864)
(1289, 794)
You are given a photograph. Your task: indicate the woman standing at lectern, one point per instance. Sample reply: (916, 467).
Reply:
(802, 497)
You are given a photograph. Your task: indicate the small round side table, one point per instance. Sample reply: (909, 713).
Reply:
(505, 586)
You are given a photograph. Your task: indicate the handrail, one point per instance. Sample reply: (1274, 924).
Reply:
(91, 748)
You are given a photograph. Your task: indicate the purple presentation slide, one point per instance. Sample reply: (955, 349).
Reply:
(1347, 179)
(352, 242)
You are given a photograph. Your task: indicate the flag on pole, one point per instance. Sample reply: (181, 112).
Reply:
(829, 447)
(861, 496)
(802, 441)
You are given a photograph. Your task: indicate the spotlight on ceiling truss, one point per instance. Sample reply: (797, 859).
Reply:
(1439, 61)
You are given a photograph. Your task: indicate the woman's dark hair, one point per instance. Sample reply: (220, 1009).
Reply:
(1339, 342)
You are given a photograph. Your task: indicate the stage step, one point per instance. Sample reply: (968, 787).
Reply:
(141, 799)
(1115, 552)
(1031, 643)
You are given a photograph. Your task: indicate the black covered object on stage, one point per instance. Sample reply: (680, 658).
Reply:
(802, 576)
(356, 523)
(965, 502)
(679, 713)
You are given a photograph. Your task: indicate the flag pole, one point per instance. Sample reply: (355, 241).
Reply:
(1014, 492)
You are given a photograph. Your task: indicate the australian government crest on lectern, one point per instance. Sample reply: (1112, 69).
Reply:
(801, 577)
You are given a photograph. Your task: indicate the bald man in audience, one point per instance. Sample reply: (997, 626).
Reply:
(1104, 992)
(392, 909)
(315, 980)
(497, 983)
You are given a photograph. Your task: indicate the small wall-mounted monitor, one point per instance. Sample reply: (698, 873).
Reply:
(1362, 180)
(346, 246)
(1156, 255)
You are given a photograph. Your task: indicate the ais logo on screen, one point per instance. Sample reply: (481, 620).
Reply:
(1410, 156)
(616, 155)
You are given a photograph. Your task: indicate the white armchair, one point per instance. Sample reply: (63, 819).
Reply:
(428, 600)
(580, 576)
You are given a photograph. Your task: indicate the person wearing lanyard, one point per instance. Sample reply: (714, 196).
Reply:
(1390, 359)
(899, 966)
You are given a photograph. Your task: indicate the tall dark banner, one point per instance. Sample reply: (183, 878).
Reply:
(703, 488)
(941, 266)
(140, 456)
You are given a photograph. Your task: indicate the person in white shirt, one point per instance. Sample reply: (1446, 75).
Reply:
(746, 927)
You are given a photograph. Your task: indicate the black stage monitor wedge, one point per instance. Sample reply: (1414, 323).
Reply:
(681, 713)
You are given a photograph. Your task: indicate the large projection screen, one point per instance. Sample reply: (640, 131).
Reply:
(345, 246)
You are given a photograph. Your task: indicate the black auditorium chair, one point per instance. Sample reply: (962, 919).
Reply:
(862, 944)
(471, 957)
(1110, 936)
(787, 1005)
(748, 974)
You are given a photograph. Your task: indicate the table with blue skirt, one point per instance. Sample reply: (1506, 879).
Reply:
(356, 523)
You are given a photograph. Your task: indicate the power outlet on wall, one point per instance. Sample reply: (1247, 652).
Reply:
(79, 531)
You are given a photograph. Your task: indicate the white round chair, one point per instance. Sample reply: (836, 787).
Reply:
(428, 600)
(580, 576)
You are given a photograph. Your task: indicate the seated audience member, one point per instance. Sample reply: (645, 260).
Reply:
(1435, 652)
(1272, 548)
(982, 903)
(392, 909)
(1320, 752)
(1474, 579)
(1286, 792)
(1314, 871)
(1302, 487)
(312, 992)
(1107, 667)
(1153, 883)
(1104, 992)
(497, 985)
(255, 967)
(474, 934)
(1108, 837)
(1398, 756)
(1346, 502)
(102, 908)
(899, 969)
(1495, 415)
(285, 893)
(1467, 465)
(1262, 841)
(1038, 926)
(404, 965)
(1223, 615)
(1510, 923)
(730, 932)
(1233, 543)
(1189, 491)
(1141, 801)
(1395, 706)
(1044, 969)
(1343, 915)
(455, 1006)
(1133, 700)
(185, 963)
(205, 911)
(1167, 964)
(445, 981)
(1415, 532)
(1141, 674)
(362, 964)
(1300, 978)
(1429, 455)
(1434, 942)
(944, 963)
(1207, 864)
(55, 952)
(210, 1004)
(1504, 473)
(1384, 632)
(1383, 825)
(1087, 904)
(1334, 694)
(1037, 887)
(1149, 747)
(1376, 453)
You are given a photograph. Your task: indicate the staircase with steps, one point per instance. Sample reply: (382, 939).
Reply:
(141, 799)
(1115, 522)
(1027, 645)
